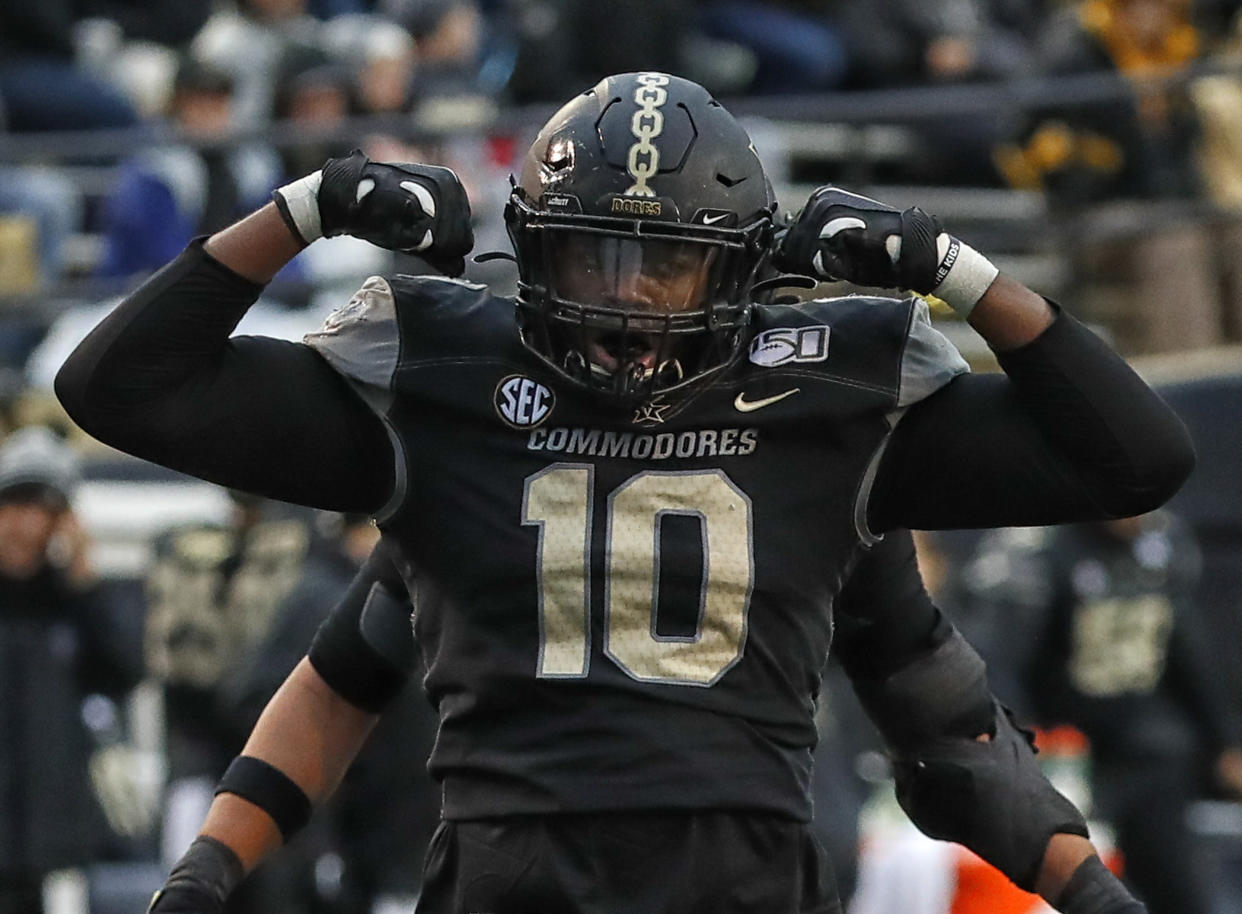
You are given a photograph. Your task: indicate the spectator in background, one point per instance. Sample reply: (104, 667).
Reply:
(449, 36)
(59, 643)
(39, 208)
(251, 42)
(562, 43)
(796, 45)
(169, 24)
(910, 43)
(42, 86)
(1118, 149)
(135, 45)
(382, 57)
(169, 193)
(212, 594)
(1101, 632)
(1135, 142)
(314, 97)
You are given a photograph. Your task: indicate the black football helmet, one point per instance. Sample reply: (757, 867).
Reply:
(640, 219)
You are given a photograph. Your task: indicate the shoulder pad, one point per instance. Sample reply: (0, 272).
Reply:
(929, 361)
(451, 320)
(361, 339)
(881, 341)
(388, 318)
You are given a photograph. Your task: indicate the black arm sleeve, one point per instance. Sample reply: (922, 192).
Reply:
(915, 676)
(365, 649)
(160, 378)
(1069, 433)
(884, 616)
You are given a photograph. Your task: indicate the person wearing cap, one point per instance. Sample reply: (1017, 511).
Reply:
(59, 643)
(38, 475)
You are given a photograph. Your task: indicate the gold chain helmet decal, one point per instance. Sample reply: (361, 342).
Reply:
(646, 124)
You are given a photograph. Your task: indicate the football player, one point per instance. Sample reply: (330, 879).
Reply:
(963, 771)
(631, 495)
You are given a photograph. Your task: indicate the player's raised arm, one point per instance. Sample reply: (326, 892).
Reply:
(1070, 432)
(162, 378)
(964, 772)
(304, 741)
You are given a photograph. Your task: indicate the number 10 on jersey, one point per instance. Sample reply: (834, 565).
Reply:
(561, 502)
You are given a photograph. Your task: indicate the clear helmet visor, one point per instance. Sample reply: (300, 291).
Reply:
(630, 309)
(637, 275)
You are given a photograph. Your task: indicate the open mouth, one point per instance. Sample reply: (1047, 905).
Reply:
(611, 351)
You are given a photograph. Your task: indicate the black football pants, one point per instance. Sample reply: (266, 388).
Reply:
(607, 863)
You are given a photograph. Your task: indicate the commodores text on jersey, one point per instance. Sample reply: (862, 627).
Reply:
(594, 442)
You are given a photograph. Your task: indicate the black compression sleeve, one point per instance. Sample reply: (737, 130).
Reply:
(1092, 406)
(364, 650)
(1093, 889)
(161, 378)
(1068, 433)
(884, 616)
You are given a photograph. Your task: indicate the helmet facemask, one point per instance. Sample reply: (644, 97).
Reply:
(630, 311)
(633, 294)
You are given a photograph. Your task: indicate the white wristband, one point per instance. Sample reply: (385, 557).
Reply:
(301, 205)
(963, 275)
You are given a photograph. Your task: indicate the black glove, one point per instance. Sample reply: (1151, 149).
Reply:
(841, 235)
(202, 880)
(421, 209)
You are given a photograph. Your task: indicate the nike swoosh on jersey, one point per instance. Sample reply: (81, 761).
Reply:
(742, 405)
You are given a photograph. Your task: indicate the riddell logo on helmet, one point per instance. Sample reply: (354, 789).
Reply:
(646, 124)
(632, 207)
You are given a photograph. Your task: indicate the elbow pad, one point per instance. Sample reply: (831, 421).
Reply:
(365, 649)
(990, 796)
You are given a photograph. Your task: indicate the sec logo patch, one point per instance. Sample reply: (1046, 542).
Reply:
(523, 402)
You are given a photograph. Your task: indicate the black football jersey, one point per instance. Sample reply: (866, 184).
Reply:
(628, 608)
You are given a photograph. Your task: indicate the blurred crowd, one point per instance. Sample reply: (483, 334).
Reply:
(129, 127)
(209, 104)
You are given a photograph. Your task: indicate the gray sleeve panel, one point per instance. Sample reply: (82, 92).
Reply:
(929, 361)
(362, 339)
